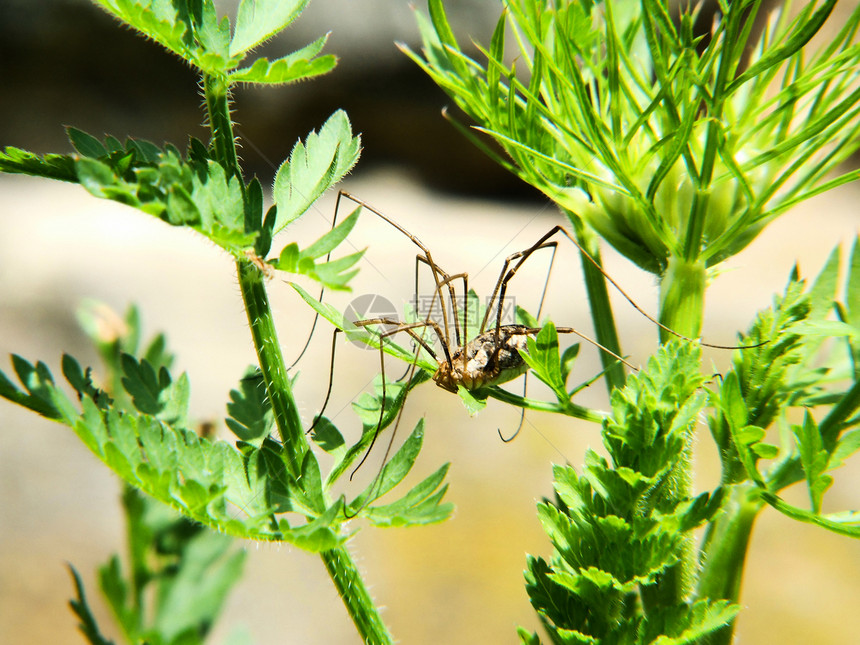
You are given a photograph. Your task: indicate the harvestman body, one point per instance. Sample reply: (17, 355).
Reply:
(492, 357)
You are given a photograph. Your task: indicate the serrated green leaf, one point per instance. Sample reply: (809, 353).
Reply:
(218, 199)
(155, 394)
(543, 358)
(259, 20)
(191, 595)
(15, 160)
(156, 19)
(39, 392)
(204, 480)
(334, 275)
(213, 37)
(299, 65)
(251, 418)
(313, 167)
(688, 624)
(329, 438)
(421, 505)
(114, 586)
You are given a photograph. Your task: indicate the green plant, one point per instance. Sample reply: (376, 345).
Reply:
(136, 421)
(677, 148)
(177, 573)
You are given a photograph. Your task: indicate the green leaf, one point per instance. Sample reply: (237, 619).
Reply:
(299, 65)
(192, 594)
(155, 395)
(814, 459)
(86, 144)
(368, 407)
(333, 238)
(848, 444)
(568, 358)
(39, 386)
(259, 20)
(394, 471)
(206, 481)
(329, 438)
(218, 200)
(688, 624)
(250, 410)
(543, 358)
(333, 274)
(87, 625)
(115, 587)
(15, 160)
(473, 403)
(421, 505)
(314, 167)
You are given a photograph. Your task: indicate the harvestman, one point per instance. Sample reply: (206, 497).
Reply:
(491, 357)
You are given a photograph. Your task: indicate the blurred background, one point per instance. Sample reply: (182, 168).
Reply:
(62, 62)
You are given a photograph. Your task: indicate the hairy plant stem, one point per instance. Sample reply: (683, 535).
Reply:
(356, 597)
(216, 91)
(338, 562)
(682, 291)
(724, 551)
(272, 366)
(682, 298)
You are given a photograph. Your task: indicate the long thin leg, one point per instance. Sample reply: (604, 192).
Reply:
(452, 294)
(433, 266)
(330, 381)
(554, 246)
(530, 331)
(522, 417)
(410, 329)
(560, 229)
(322, 291)
(639, 309)
(499, 282)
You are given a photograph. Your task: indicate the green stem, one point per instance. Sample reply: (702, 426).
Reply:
(682, 291)
(339, 564)
(272, 366)
(601, 309)
(724, 551)
(682, 298)
(217, 93)
(698, 212)
(356, 597)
